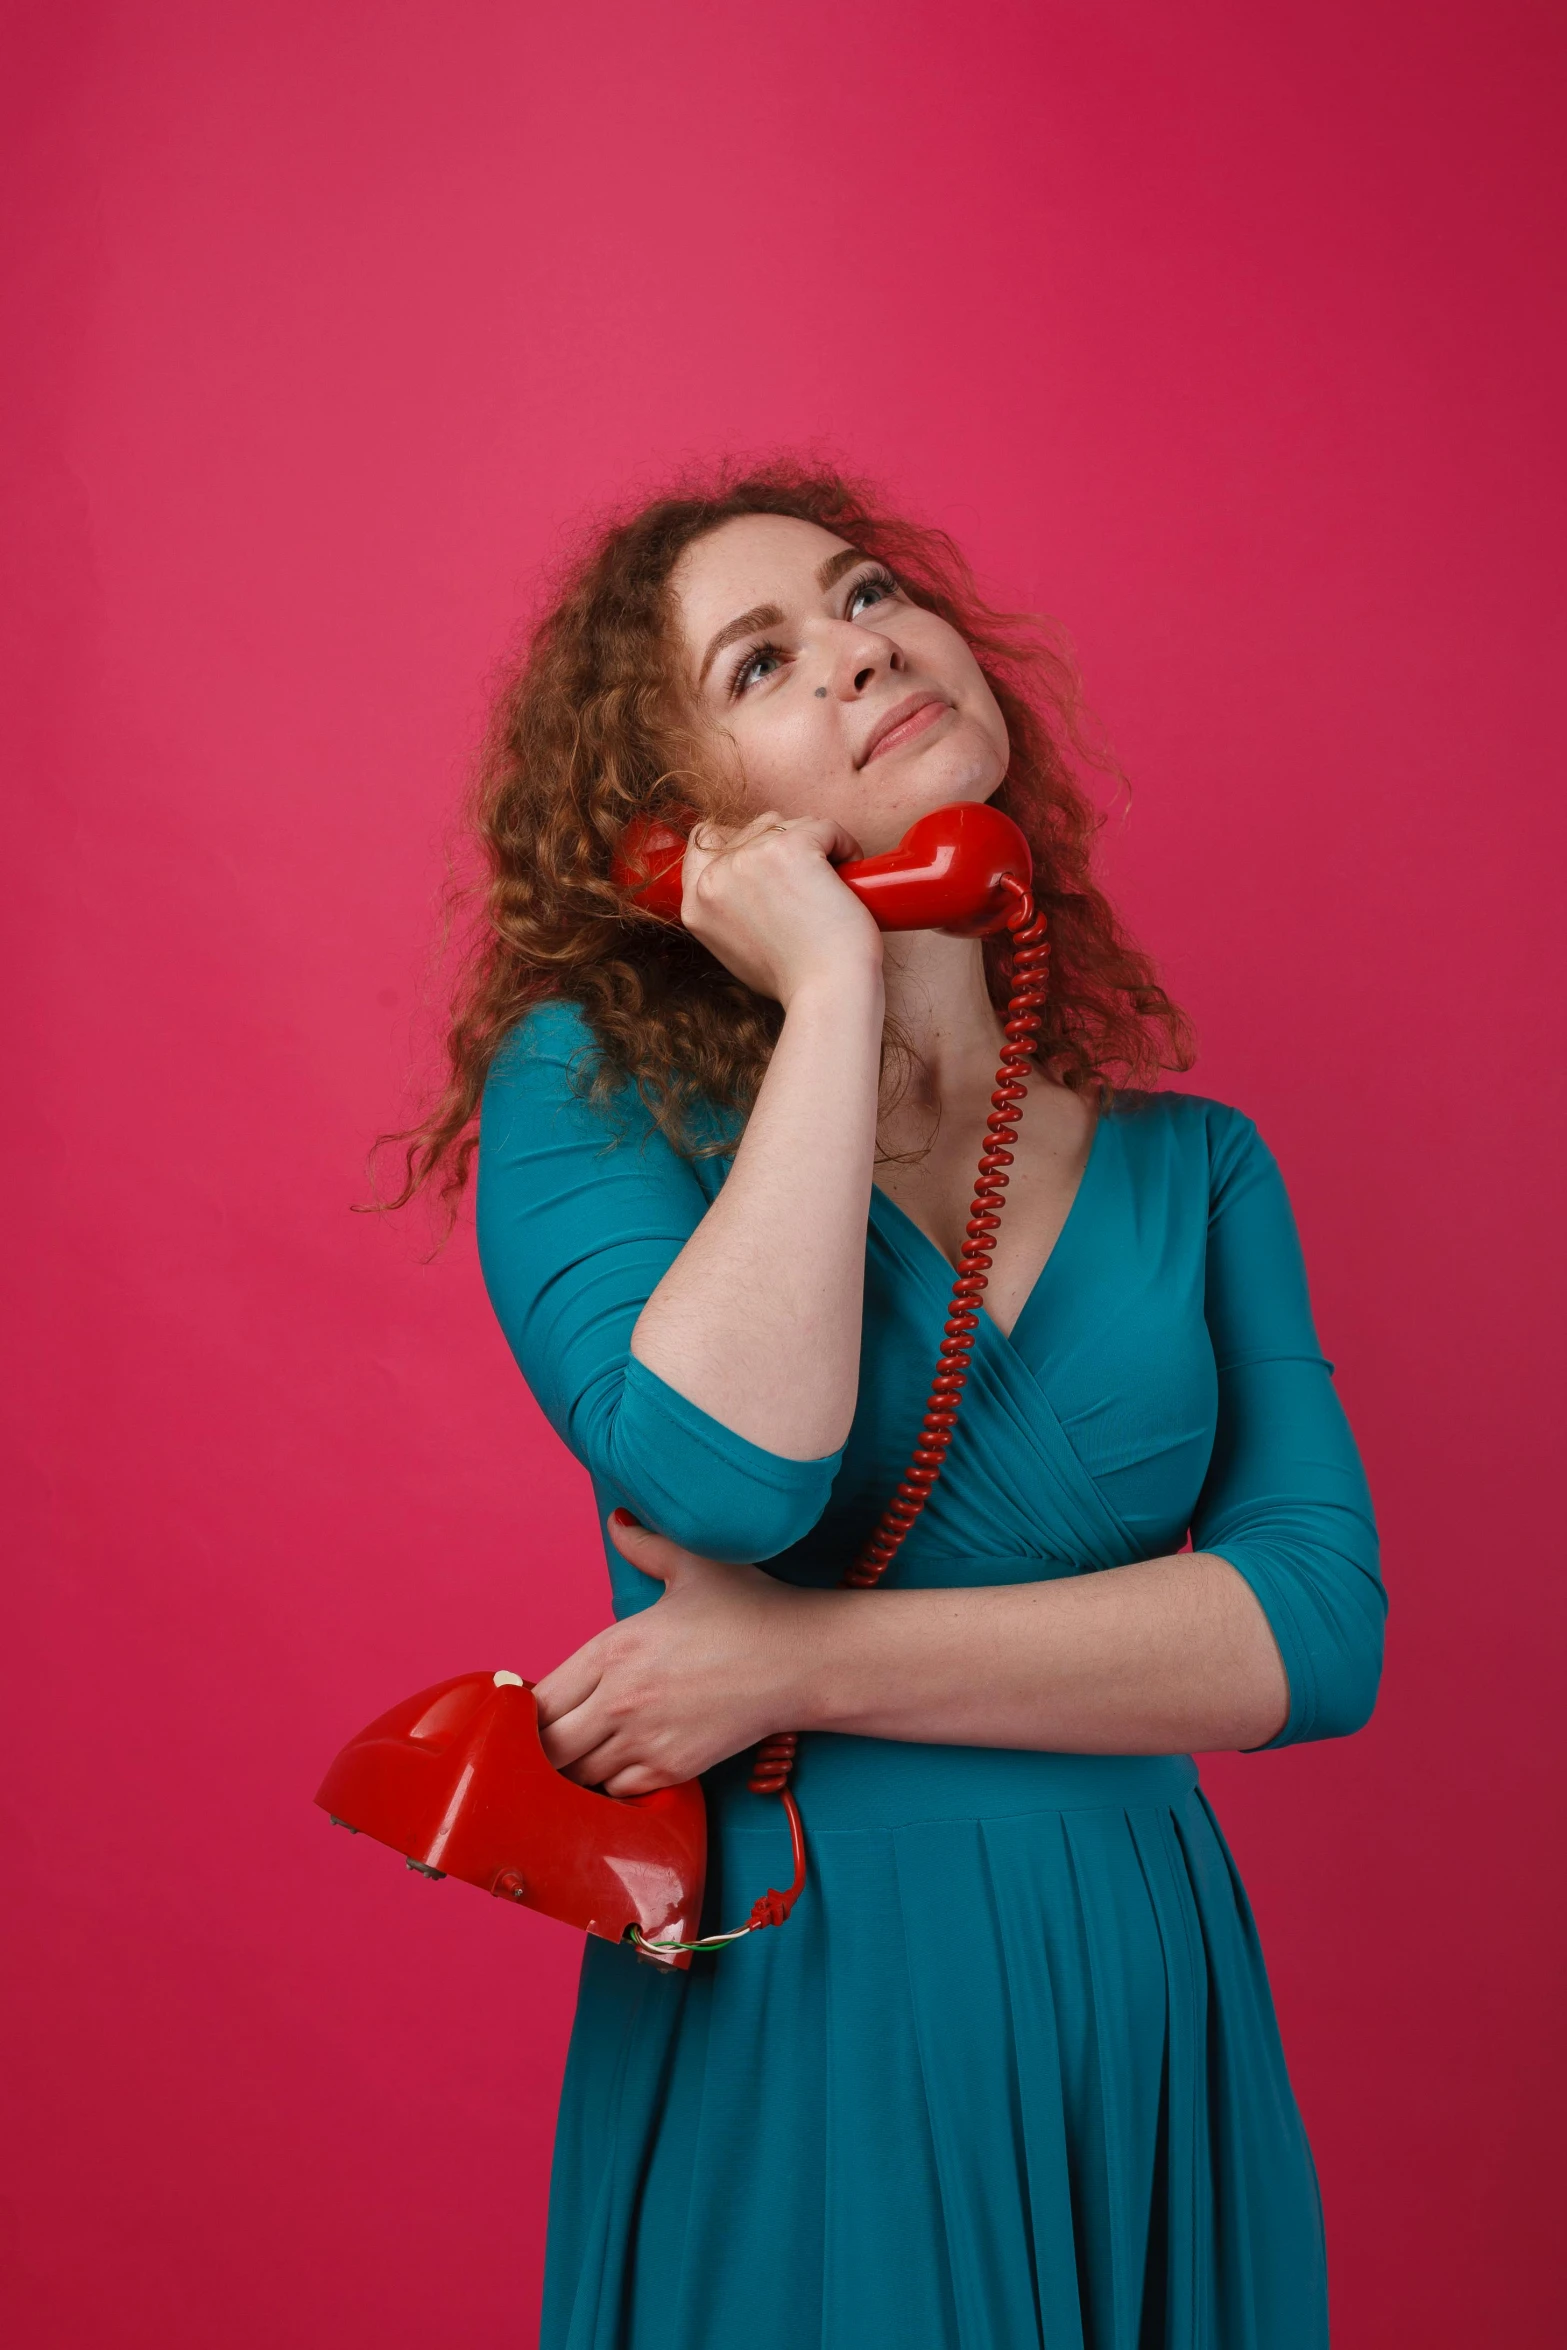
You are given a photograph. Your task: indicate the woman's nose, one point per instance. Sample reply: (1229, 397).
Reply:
(860, 658)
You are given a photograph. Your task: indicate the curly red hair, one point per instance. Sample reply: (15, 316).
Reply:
(593, 725)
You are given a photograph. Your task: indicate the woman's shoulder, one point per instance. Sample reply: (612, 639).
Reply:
(1194, 1132)
(552, 1035)
(540, 1085)
(549, 1078)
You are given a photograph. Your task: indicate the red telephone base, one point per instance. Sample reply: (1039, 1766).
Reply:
(457, 1781)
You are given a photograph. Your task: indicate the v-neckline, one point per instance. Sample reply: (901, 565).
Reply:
(950, 1271)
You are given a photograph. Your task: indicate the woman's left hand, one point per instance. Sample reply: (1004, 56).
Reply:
(714, 1666)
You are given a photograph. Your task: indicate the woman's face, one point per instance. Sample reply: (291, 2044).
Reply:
(834, 693)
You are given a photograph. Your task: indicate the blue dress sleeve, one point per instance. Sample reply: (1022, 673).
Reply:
(1285, 1499)
(582, 1209)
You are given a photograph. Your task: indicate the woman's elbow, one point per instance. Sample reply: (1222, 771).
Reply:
(1327, 1616)
(722, 1521)
(1351, 1701)
(1348, 1677)
(697, 1483)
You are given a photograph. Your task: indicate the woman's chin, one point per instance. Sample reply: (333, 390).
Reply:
(912, 786)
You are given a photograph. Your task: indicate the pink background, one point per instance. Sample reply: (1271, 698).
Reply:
(1223, 332)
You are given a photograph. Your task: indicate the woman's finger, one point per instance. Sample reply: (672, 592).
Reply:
(573, 1734)
(654, 1553)
(591, 1768)
(711, 839)
(610, 1758)
(636, 1779)
(616, 1768)
(834, 840)
(824, 833)
(571, 1683)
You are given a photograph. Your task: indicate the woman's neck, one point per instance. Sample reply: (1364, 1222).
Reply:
(939, 1007)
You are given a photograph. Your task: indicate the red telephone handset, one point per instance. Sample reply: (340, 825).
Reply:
(957, 869)
(456, 1778)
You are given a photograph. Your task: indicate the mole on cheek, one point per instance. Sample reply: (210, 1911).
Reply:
(821, 693)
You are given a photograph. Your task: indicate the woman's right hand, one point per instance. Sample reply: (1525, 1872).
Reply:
(764, 899)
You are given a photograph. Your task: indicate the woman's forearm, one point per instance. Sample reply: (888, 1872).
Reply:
(1161, 1657)
(1166, 1656)
(757, 1322)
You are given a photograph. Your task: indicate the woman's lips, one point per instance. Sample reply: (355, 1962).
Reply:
(904, 728)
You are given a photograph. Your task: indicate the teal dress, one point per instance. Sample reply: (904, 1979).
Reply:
(1010, 2076)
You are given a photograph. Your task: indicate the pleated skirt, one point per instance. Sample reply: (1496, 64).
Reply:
(1009, 2077)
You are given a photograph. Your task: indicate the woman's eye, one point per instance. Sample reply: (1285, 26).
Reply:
(873, 589)
(760, 662)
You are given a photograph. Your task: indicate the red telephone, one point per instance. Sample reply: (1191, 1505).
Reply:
(957, 869)
(456, 1778)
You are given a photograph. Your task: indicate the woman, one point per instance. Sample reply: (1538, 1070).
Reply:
(1010, 2074)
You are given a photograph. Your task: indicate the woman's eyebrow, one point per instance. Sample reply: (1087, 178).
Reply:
(760, 616)
(836, 565)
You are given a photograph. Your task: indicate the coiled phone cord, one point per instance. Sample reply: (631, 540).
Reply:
(775, 1757)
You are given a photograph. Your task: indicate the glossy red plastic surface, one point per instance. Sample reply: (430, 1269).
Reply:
(649, 866)
(950, 871)
(456, 1780)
